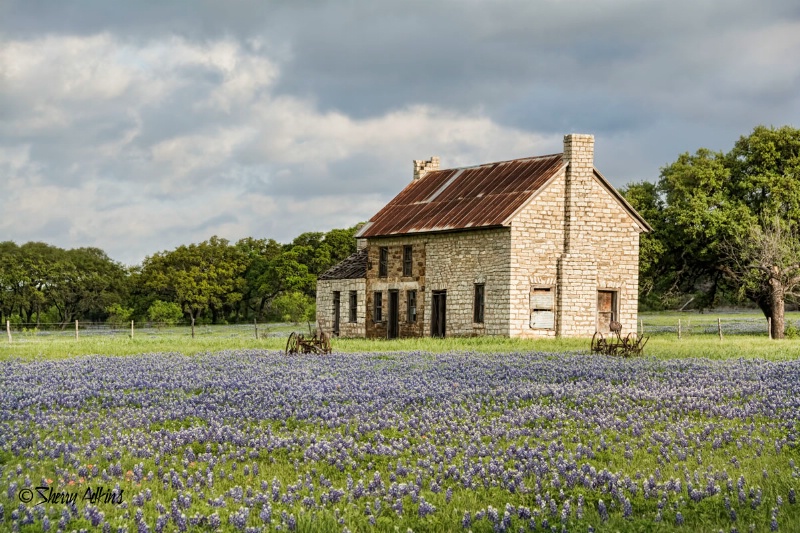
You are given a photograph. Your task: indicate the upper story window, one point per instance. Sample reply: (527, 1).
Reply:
(407, 260)
(383, 262)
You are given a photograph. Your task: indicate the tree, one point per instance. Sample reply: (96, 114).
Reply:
(293, 306)
(766, 265)
(284, 273)
(199, 277)
(727, 216)
(655, 280)
(257, 253)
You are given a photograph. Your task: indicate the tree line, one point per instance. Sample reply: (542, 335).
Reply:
(726, 227)
(214, 281)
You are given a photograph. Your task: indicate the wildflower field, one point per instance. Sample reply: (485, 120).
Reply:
(251, 440)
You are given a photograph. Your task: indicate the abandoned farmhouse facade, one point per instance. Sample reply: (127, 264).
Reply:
(540, 246)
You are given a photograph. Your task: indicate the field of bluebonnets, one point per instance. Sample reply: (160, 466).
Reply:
(251, 440)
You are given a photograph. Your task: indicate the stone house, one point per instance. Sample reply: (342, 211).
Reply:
(532, 247)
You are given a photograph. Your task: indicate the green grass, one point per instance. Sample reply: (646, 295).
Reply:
(213, 339)
(708, 318)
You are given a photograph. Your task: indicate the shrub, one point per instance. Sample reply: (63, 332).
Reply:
(168, 313)
(118, 315)
(294, 307)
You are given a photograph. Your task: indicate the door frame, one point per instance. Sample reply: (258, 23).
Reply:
(614, 308)
(393, 316)
(439, 313)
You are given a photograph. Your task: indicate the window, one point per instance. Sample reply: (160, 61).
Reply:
(336, 312)
(411, 306)
(407, 260)
(353, 306)
(377, 315)
(383, 262)
(477, 310)
(542, 316)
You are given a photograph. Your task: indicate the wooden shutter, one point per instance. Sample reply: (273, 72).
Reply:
(542, 315)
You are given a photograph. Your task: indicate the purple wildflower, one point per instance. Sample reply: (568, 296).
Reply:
(425, 508)
(601, 509)
(627, 509)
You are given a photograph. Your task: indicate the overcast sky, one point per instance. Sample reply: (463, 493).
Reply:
(138, 126)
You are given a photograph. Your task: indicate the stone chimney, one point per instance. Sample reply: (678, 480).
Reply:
(577, 266)
(422, 167)
(579, 156)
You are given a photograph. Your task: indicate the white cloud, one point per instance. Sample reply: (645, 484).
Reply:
(138, 148)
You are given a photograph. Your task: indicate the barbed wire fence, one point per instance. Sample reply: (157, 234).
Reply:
(20, 331)
(690, 325)
(721, 326)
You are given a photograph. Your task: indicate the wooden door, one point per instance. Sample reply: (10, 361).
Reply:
(439, 314)
(606, 310)
(393, 329)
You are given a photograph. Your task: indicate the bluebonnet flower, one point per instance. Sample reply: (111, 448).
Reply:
(425, 508)
(266, 513)
(601, 509)
(627, 510)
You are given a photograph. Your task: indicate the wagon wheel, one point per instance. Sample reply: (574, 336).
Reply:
(628, 345)
(291, 344)
(598, 343)
(325, 343)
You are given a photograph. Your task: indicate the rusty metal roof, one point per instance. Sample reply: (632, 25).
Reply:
(352, 267)
(461, 198)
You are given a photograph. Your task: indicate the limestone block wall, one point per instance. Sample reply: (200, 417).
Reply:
(576, 315)
(325, 312)
(537, 244)
(607, 258)
(455, 263)
(614, 236)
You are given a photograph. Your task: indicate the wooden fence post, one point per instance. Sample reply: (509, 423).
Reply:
(641, 327)
(8, 330)
(76, 330)
(719, 327)
(131, 329)
(255, 324)
(679, 329)
(769, 326)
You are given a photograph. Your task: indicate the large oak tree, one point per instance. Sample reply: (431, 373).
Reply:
(728, 221)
